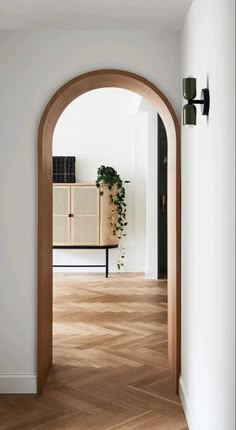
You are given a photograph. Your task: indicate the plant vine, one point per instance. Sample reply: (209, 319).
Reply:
(108, 175)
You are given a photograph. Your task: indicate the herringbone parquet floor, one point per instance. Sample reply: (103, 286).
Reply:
(110, 360)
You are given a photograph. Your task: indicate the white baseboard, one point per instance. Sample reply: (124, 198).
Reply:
(18, 383)
(186, 406)
(151, 275)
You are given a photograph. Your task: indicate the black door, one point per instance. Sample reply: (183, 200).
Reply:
(162, 199)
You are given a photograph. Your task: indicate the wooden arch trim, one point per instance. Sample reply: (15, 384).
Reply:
(61, 99)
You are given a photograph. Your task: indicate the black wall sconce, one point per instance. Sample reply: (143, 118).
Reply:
(189, 93)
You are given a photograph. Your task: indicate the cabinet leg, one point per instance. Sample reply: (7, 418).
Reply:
(107, 262)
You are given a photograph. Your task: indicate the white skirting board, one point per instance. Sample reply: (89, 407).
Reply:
(186, 406)
(151, 275)
(18, 383)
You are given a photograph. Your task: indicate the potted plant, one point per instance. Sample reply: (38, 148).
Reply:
(109, 176)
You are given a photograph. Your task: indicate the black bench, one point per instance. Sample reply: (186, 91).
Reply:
(106, 247)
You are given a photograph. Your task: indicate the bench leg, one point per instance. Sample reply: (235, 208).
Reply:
(107, 262)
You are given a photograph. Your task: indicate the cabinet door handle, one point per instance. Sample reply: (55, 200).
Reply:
(70, 215)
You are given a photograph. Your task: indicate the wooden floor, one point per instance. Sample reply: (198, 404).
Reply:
(110, 360)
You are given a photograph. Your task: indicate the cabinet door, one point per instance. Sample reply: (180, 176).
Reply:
(85, 210)
(61, 210)
(108, 213)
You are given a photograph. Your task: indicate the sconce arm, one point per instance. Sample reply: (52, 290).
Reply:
(196, 102)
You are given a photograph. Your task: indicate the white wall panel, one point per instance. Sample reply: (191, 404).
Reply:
(208, 221)
(34, 64)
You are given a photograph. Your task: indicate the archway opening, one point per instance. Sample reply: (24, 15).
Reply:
(64, 96)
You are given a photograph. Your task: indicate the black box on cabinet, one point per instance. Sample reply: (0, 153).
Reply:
(64, 169)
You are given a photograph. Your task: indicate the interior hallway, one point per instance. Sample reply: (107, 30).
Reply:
(110, 355)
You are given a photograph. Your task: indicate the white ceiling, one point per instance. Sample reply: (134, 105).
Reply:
(93, 14)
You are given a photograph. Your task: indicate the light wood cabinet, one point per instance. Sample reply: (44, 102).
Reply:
(81, 216)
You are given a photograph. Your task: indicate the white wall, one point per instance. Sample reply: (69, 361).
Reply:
(104, 127)
(34, 64)
(208, 217)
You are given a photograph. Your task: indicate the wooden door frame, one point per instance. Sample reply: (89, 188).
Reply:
(61, 99)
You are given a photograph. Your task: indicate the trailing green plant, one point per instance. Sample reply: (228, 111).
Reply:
(108, 175)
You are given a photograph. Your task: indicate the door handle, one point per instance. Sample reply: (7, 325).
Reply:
(70, 215)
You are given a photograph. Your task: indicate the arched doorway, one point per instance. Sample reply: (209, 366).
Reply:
(61, 99)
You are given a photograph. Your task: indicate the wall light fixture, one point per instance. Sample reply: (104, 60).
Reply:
(189, 93)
